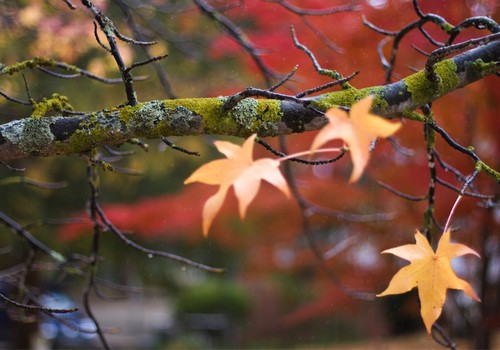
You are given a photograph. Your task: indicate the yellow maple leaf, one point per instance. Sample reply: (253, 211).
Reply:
(238, 170)
(358, 130)
(430, 272)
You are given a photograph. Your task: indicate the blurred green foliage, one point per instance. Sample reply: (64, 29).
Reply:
(215, 296)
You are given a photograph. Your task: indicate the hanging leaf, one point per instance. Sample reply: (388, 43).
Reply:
(358, 129)
(238, 170)
(430, 272)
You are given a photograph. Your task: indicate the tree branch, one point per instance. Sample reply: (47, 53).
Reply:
(59, 135)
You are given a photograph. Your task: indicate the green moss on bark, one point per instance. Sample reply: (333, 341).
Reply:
(488, 170)
(423, 91)
(209, 109)
(346, 98)
(101, 128)
(33, 63)
(57, 103)
(482, 69)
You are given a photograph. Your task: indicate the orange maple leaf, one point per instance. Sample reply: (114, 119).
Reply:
(238, 170)
(430, 272)
(358, 130)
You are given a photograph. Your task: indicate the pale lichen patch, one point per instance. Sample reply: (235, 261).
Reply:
(268, 129)
(180, 120)
(245, 113)
(12, 131)
(146, 117)
(36, 136)
(107, 120)
(100, 128)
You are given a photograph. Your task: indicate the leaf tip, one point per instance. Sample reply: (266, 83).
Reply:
(355, 176)
(206, 227)
(428, 328)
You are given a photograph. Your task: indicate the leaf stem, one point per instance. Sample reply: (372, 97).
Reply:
(447, 226)
(309, 152)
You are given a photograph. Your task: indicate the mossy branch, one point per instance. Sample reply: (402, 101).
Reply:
(59, 135)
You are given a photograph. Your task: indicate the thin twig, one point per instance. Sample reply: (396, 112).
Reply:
(12, 99)
(110, 31)
(284, 79)
(70, 4)
(401, 194)
(465, 193)
(444, 339)
(93, 181)
(235, 32)
(353, 6)
(26, 180)
(12, 168)
(327, 72)
(138, 34)
(178, 148)
(327, 85)
(35, 307)
(145, 62)
(28, 237)
(152, 252)
(295, 159)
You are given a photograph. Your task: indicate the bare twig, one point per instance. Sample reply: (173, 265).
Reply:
(327, 72)
(32, 182)
(70, 4)
(28, 237)
(440, 337)
(235, 32)
(148, 61)
(284, 79)
(138, 34)
(178, 148)
(152, 252)
(110, 31)
(13, 99)
(298, 160)
(323, 87)
(464, 193)
(353, 6)
(401, 194)
(94, 253)
(30, 307)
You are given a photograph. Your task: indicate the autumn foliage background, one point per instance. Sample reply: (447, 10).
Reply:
(266, 253)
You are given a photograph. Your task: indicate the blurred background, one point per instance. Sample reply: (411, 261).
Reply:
(275, 293)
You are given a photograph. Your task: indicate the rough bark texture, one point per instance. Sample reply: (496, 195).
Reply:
(38, 135)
